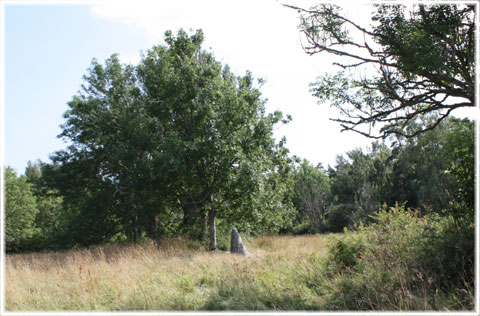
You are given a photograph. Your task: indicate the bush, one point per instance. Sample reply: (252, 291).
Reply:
(402, 262)
(345, 253)
(339, 217)
(307, 228)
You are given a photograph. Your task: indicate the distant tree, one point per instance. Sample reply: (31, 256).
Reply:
(32, 171)
(459, 151)
(311, 193)
(360, 184)
(422, 173)
(50, 218)
(431, 172)
(20, 211)
(406, 64)
(418, 167)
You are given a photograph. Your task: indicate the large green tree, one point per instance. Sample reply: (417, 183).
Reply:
(178, 133)
(217, 140)
(408, 62)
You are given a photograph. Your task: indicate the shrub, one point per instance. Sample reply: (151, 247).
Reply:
(402, 262)
(338, 217)
(345, 252)
(307, 227)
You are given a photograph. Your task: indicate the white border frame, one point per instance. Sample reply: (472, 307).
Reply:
(4, 3)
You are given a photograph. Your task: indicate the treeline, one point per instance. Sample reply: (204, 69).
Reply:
(432, 173)
(54, 206)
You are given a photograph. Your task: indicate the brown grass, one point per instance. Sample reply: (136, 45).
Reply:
(175, 276)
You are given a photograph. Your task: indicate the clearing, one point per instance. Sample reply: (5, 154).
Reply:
(176, 276)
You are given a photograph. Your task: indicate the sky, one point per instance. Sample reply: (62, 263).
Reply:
(49, 47)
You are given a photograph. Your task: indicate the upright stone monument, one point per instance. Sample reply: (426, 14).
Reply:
(236, 245)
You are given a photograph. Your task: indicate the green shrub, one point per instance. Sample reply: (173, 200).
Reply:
(307, 228)
(402, 262)
(346, 251)
(339, 217)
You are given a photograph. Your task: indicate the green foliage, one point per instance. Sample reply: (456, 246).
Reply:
(418, 171)
(32, 171)
(418, 60)
(307, 227)
(311, 193)
(422, 166)
(339, 217)
(418, 42)
(49, 221)
(20, 211)
(403, 262)
(359, 185)
(157, 146)
(345, 252)
(460, 153)
(88, 211)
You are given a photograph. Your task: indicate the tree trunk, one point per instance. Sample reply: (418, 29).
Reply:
(152, 228)
(188, 215)
(204, 226)
(134, 229)
(134, 218)
(213, 229)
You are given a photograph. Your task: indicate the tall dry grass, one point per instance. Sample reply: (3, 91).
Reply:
(178, 275)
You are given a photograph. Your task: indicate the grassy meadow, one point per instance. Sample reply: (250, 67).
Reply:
(399, 263)
(179, 275)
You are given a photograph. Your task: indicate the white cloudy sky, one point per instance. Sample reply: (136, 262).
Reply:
(49, 47)
(260, 36)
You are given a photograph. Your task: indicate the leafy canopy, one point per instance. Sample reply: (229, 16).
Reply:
(177, 133)
(407, 63)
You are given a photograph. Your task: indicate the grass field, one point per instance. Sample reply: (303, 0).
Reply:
(178, 275)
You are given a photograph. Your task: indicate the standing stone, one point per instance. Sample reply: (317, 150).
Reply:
(236, 245)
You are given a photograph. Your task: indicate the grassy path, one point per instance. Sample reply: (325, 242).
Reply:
(175, 277)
